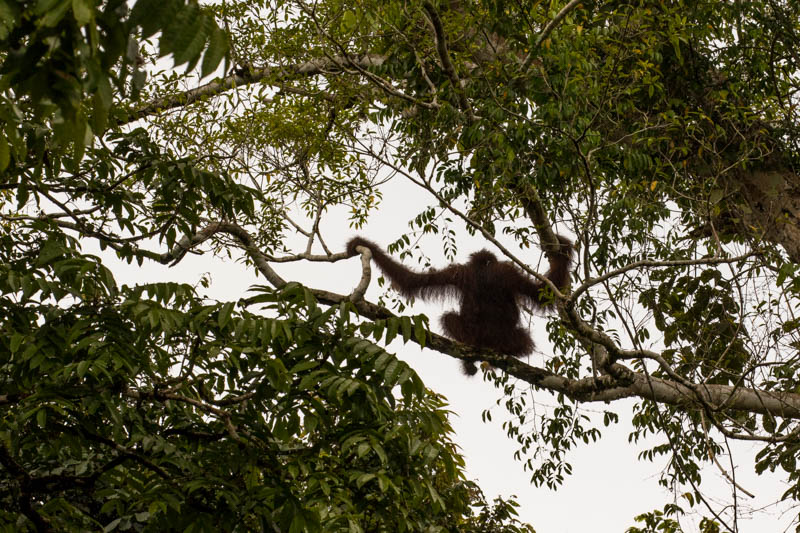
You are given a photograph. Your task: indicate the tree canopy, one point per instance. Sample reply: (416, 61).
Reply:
(660, 135)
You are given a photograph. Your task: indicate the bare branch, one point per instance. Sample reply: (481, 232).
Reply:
(713, 456)
(366, 273)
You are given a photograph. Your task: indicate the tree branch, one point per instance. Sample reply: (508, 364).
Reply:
(444, 56)
(366, 272)
(283, 73)
(620, 382)
(556, 21)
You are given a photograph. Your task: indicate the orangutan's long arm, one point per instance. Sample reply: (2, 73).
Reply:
(432, 283)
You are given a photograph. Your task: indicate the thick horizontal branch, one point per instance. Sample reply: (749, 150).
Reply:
(620, 383)
(781, 404)
(604, 388)
(281, 73)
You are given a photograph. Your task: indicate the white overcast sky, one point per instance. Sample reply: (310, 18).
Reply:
(609, 485)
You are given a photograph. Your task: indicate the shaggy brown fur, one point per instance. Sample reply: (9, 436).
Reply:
(489, 289)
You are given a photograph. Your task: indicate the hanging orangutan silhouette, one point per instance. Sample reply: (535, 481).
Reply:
(489, 291)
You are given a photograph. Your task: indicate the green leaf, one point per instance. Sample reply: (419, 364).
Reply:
(154, 15)
(303, 366)
(419, 330)
(5, 153)
(179, 31)
(9, 18)
(82, 367)
(100, 110)
(393, 326)
(769, 423)
(224, 315)
(364, 479)
(217, 49)
(382, 360)
(49, 251)
(82, 138)
(54, 14)
(377, 329)
(83, 11)
(349, 21)
(392, 371)
(716, 195)
(16, 342)
(405, 324)
(190, 44)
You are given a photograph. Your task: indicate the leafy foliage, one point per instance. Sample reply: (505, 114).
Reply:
(661, 135)
(70, 60)
(147, 408)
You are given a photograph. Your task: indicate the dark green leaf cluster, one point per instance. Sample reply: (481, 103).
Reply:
(699, 314)
(147, 408)
(65, 61)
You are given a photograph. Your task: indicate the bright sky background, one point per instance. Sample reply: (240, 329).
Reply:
(609, 485)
